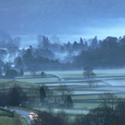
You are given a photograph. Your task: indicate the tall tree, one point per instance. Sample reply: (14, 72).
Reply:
(17, 96)
(43, 42)
(21, 72)
(18, 62)
(42, 94)
(94, 42)
(109, 43)
(69, 101)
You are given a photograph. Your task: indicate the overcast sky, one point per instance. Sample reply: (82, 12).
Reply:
(67, 19)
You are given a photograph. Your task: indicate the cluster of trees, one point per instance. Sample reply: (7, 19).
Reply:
(48, 56)
(61, 96)
(98, 53)
(106, 53)
(110, 112)
(13, 97)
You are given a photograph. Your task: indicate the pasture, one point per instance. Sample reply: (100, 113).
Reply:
(85, 92)
(5, 118)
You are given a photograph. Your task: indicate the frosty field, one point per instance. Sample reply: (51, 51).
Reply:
(85, 92)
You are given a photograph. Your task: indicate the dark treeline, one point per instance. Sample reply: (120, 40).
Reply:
(107, 53)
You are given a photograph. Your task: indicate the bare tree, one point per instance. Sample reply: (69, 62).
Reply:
(92, 83)
(108, 100)
(88, 72)
(63, 90)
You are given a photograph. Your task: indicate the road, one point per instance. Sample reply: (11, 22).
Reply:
(23, 113)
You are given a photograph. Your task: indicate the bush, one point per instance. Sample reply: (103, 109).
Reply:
(11, 73)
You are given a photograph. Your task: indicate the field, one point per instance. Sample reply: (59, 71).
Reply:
(85, 92)
(4, 120)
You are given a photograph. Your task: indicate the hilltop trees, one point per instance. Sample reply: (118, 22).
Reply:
(94, 43)
(43, 42)
(109, 43)
(70, 55)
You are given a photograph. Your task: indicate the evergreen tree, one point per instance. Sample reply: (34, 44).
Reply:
(21, 72)
(94, 42)
(16, 96)
(69, 101)
(42, 94)
(42, 74)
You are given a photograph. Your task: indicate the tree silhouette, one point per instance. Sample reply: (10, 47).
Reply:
(42, 94)
(21, 72)
(69, 101)
(16, 96)
(88, 72)
(11, 73)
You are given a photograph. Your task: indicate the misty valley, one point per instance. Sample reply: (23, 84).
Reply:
(62, 62)
(70, 83)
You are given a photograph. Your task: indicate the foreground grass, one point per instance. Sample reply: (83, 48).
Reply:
(4, 120)
(20, 120)
(3, 112)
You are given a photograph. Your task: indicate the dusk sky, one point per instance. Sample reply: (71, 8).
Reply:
(67, 19)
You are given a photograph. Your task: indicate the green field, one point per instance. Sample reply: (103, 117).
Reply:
(38, 80)
(67, 74)
(4, 120)
(84, 96)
